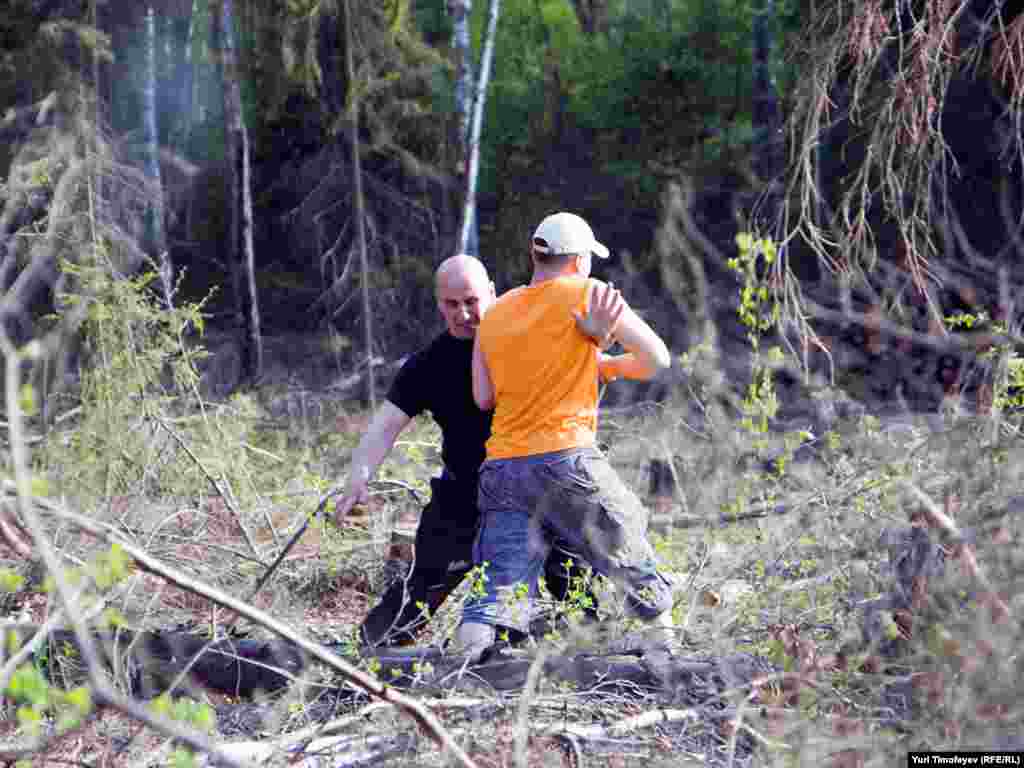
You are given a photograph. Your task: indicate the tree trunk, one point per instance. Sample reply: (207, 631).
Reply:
(461, 11)
(462, 45)
(151, 138)
(191, 61)
(240, 253)
(99, 106)
(592, 15)
(469, 211)
(359, 206)
(190, 97)
(184, 77)
(766, 101)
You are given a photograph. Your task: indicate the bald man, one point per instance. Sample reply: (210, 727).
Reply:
(437, 379)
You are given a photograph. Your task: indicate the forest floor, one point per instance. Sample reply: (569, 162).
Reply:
(781, 555)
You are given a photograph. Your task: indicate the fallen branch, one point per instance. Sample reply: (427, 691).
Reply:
(351, 750)
(622, 727)
(315, 738)
(947, 343)
(103, 694)
(943, 521)
(434, 728)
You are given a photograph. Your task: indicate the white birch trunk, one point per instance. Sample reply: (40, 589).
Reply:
(151, 138)
(461, 11)
(469, 209)
(241, 254)
(188, 79)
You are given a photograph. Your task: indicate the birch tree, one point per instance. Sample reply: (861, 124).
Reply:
(467, 236)
(184, 77)
(359, 205)
(151, 138)
(240, 252)
(196, 44)
(461, 11)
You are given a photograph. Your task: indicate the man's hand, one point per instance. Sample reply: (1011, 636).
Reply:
(373, 447)
(604, 309)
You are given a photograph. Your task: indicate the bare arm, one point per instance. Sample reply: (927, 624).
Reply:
(375, 445)
(646, 354)
(483, 386)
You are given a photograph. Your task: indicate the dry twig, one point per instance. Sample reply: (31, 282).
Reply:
(364, 681)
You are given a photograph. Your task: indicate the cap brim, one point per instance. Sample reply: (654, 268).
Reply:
(599, 250)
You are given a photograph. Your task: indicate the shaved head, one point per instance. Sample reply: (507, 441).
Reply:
(464, 291)
(459, 267)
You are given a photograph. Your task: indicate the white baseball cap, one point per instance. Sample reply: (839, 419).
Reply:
(567, 233)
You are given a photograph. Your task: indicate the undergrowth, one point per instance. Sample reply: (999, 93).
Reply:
(780, 536)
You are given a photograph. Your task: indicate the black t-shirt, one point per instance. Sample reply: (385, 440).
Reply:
(438, 379)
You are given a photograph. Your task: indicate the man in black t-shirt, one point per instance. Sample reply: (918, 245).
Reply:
(437, 379)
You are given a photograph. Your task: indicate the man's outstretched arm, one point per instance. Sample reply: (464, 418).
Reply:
(609, 317)
(373, 448)
(646, 354)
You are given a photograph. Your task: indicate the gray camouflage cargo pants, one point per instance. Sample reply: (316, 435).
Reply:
(574, 495)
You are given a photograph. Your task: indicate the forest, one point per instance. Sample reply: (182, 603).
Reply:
(219, 226)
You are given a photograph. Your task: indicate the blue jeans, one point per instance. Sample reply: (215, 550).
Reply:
(575, 496)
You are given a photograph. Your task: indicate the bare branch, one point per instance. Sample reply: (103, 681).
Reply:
(101, 690)
(18, 122)
(354, 675)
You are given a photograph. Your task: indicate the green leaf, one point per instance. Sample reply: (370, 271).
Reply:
(39, 486)
(183, 758)
(10, 581)
(27, 399)
(204, 718)
(80, 698)
(889, 627)
(113, 618)
(28, 685)
(745, 242)
(161, 705)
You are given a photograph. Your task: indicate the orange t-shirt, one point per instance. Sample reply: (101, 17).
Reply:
(543, 368)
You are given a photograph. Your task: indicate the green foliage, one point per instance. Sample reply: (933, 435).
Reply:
(139, 364)
(758, 310)
(393, 70)
(671, 86)
(478, 579)
(10, 581)
(110, 567)
(195, 714)
(37, 699)
(1008, 364)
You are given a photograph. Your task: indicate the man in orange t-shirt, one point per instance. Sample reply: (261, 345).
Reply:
(536, 361)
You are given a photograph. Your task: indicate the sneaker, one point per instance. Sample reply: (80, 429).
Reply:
(473, 639)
